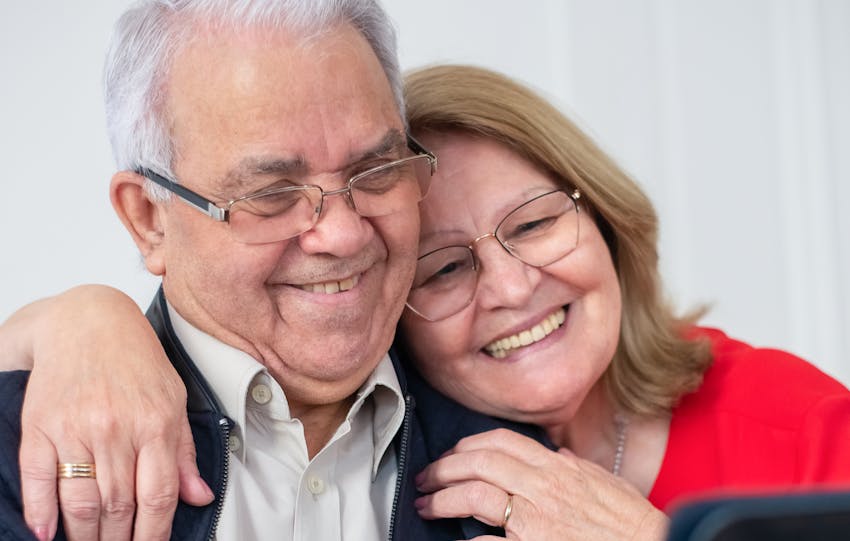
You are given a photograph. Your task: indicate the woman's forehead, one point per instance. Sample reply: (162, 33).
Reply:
(478, 182)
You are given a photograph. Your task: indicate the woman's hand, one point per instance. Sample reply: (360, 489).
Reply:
(555, 495)
(102, 391)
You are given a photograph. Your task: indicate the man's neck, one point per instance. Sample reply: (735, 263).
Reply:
(320, 422)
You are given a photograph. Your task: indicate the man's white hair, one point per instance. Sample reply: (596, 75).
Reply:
(148, 35)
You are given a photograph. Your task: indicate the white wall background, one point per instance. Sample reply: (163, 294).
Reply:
(733, 114)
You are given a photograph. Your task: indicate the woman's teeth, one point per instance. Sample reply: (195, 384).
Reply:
(331, 287)
(502, 347)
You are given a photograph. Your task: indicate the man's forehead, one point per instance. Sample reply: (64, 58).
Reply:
(263, 105)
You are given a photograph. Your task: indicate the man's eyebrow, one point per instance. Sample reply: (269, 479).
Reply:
(236, 182)
(391, 142)
(237, 179)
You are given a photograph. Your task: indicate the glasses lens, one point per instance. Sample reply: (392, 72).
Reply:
(542, 230)
(275, 216)
(444, 283)
(392, 187)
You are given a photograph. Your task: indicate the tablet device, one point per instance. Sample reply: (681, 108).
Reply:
(813, 516)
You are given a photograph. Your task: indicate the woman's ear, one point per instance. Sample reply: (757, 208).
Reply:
(141, 216)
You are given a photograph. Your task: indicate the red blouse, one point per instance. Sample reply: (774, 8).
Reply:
(762, 421)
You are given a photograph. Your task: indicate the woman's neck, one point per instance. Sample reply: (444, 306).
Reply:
(593, 434)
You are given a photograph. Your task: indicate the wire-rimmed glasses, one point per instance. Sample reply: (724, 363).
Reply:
(538, 233)
(284, 212)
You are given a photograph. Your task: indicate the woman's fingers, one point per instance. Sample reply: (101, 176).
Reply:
(79, 498)
(193, 489)
(478, 499)
(491, 466)
(157, 486)
(508, 442)
(115, 474)
(38, 484)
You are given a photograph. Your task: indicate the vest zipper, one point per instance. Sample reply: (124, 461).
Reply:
(402, 460)
(224, 426)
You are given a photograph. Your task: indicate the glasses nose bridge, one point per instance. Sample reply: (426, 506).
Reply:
(474, 244)
(346, 191)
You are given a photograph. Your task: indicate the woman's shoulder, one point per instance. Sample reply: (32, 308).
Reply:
(765, 384)
(762, 417)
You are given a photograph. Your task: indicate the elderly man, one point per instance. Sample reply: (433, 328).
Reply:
(266, 176)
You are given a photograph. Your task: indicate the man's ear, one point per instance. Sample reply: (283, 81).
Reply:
(141, 216)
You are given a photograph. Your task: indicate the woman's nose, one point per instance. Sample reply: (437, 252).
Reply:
(504, 280)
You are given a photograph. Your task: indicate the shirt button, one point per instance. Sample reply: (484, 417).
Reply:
(261, 394)
(315, 485)
(233, 443)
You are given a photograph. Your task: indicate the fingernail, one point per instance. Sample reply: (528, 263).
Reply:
(41, 533)
(419, 479)
(419, 503)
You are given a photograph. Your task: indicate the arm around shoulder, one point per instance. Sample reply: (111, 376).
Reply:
(45, 324)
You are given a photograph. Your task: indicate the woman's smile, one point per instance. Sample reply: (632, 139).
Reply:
(507, 345)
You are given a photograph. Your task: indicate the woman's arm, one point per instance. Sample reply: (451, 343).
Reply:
(101, 391)
(16, 336)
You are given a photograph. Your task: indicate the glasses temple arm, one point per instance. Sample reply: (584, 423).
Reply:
(416, 147)
(195, 199)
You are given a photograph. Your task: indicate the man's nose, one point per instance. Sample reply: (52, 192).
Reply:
(504, 280)
(340, 230)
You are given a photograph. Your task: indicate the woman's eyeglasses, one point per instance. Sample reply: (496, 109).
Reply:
(538, 232)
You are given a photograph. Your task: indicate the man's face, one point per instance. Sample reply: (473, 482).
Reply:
(247, 110)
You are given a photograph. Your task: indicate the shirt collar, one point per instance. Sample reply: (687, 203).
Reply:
(230, 372)
(388, 412)
(227, 370)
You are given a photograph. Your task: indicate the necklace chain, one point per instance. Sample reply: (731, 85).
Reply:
(621, 422)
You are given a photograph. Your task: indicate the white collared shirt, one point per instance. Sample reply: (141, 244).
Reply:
(274, 490)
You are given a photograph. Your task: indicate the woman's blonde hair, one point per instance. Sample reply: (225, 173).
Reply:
(655, 362)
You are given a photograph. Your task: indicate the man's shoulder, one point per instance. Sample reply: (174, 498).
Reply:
(444, 422)
(12, 387)
(13, 383)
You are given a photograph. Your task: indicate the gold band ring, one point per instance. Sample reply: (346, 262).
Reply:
(71, 470)
(508, 508)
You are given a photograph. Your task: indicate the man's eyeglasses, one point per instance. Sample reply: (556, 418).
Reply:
(538, 232)
(284, 212)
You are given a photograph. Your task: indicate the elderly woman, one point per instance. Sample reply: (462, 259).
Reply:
(537, 299)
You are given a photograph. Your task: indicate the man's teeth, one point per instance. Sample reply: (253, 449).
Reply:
(331, 287)
(500, 348)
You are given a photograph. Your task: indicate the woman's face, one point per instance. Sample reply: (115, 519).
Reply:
(477, 183)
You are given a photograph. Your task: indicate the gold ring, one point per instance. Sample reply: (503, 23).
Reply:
(71, 470)
(508, 508)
